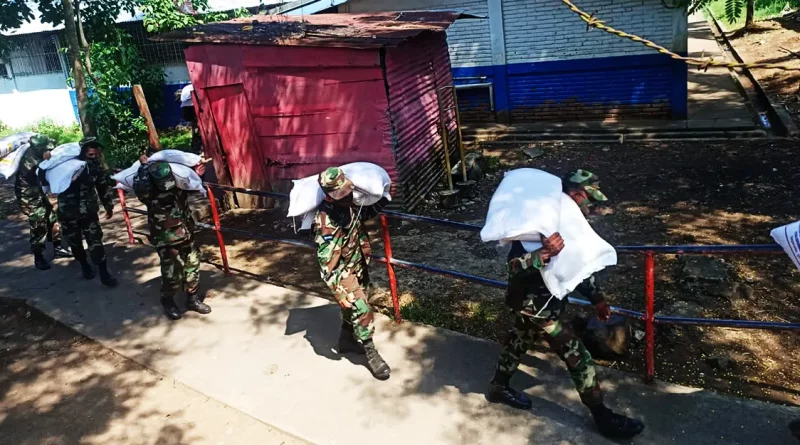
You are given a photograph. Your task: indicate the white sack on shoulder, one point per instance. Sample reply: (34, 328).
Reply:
(61, 176)
(526, 205)
(584, 253)
(10, 164)
(369, 179)
(788, 237)
(176, 157)
(125, 177)
(61, 154)
(187, 179)
(13, 142)
(305, 197)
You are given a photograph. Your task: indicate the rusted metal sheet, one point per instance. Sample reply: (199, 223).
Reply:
(374, 30)
(415, 71)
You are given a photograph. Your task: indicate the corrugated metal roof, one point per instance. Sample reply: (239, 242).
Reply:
(375, 30)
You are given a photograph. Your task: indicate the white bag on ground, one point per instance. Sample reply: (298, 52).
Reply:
(125, 177)
(526, 204)
(61, 154)
(788, 237)
(10, 163)
(371, 181)
(61, 176)
(13, 142)
(176, 157)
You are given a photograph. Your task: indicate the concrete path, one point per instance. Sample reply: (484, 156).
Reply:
(266, 351)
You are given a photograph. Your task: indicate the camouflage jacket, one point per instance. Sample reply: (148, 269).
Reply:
(168, 213)
(27, 182)
(525, 278)
(342, 243)
(92, 187)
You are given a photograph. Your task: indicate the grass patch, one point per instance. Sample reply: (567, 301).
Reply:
(478, 318)
(764, 10)
(62, 134)
(178, 138)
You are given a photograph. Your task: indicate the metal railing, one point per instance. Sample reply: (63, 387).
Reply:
(648, 316)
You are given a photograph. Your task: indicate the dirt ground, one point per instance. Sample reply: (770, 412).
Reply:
(661, 193)
(57, 387)
(775, 41)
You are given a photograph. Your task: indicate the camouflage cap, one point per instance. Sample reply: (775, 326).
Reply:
(335, 184)
(40, 140)
(89, 142)
(587, 181)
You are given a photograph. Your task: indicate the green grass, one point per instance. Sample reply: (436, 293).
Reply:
(765, 10)
(62, 134)
(178, 138)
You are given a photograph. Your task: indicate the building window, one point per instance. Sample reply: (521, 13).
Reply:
(35, 55)
(155, 53)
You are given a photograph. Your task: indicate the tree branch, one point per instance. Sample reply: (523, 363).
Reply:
(87, 52)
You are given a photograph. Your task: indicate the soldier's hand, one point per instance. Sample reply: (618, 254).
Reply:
(603, 311)
(200, 169)
(47, 155)
(345, 304)
(143, 159)
(552, 246)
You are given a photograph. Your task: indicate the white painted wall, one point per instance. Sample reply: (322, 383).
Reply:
(546, 30)
(176, 73)
(22, 108)
(469, 41)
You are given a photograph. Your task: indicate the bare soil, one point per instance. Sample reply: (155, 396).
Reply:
(58, 387)
(661, 193)
(775, 41)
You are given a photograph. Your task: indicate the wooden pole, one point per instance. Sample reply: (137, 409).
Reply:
(138, 93)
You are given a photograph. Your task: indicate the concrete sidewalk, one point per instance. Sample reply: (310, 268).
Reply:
(266, 351)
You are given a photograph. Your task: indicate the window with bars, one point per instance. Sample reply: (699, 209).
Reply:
(35, 55)
(155, 53)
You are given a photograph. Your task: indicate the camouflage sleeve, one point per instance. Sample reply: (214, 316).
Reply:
(589, 289)
(105, 187)
(329, 251)
(525, 264)
(162, 176)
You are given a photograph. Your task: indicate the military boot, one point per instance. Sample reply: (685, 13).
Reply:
(40, 262)
(80, 254)
(170, 308)
(613, 425)
(348, 343)
(379, 369)
(500, 391)
(194, 303)
(105, 276)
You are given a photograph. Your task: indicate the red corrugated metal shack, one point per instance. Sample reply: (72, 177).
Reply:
(281, 98)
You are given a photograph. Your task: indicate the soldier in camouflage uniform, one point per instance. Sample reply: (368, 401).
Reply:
(78, 211)
(536, 310)
(171, 232)
(34, 203)
(344, 253)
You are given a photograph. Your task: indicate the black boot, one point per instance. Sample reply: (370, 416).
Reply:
(40, 262)
(347, 343)
(105, 276)
(379, 369)
(193, 303)
(170, 308)
(615, 426)
(86, 269)
(500, 391)
(80, 254)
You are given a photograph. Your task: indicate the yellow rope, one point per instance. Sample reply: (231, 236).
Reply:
(701, 63)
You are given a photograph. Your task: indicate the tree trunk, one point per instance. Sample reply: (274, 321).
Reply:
(74, 52)
(748, 18)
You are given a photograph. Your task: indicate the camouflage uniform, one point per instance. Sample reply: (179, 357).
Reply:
(78, 210)
(343, 253)
(535, 309)
(171, 228)
(33, 202)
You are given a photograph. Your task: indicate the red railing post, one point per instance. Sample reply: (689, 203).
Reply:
(217, 226)
(387, 245)
(649, 316)
(125, 215)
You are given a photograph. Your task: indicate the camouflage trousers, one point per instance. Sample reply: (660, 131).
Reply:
(360, 316)
(180, 268)
(41, 218)
(543, 314)
(86, 227)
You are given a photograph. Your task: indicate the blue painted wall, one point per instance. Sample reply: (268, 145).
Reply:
(641, 86)
(170, 114)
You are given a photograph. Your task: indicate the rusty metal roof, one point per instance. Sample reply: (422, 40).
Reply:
(374, 30)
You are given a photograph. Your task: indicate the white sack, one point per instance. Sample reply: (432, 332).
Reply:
(788, 237)
(61, 154)
(61, 176)
(176, 157)
(372, 183)
(308, 221)
(125, 177)
(584, 253)
(13, 142)
(526, 205)
(10, 164)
